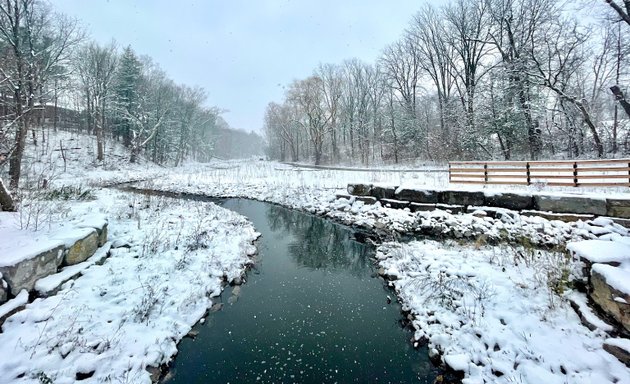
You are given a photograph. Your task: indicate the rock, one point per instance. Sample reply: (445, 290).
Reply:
(421, 207)
(82, 249)
(216, 307)
(368, 200)
(452, 209)
(381, 192)
(571, 204)
(396, 204)
(623, 222)
(4, 290)
(589, 319)
(618, 208)
(359, 189)
(343, 196)
(155, 373)
(513, 201)
(505, 216)
(417, 195)
(120, 243)
(192, 334)
(463, 198)
(236, 291)
(606, 293)
(566, 217)
(25, 273)
(620, 348)
(479, 213)
(102, 235)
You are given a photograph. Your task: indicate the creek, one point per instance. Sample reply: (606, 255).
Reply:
(312, 310)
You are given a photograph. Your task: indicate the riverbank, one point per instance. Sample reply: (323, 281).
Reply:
(533, 277)
(169, 259)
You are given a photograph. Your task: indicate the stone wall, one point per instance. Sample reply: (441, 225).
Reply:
(426, 199)
(63, 249)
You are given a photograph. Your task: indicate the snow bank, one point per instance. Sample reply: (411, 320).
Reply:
(127, 314)
(493, 313)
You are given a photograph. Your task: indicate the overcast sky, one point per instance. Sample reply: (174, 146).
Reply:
(243, 52)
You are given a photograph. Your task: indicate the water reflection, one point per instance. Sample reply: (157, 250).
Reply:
(312, 314)
(319, 244)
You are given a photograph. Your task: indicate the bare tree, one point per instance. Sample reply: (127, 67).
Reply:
(39, 44)
(436, 57)
(308, 95)
(467, 31)
(96, 66)
(622, 11)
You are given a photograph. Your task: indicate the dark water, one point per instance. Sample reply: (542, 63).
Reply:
(310, 312)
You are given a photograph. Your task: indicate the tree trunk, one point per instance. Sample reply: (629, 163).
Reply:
(100, 152)
(6, 201)
(620, 97)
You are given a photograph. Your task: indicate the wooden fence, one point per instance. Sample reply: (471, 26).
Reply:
(566, 173)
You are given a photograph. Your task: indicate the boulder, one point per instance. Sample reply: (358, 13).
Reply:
(369, 200)
(99, 223)
(359, 189)
(417, 195)
(396, 204)
(343, 196)
(623, 222)
(513, 201)
(24, 273)
(609, 291)
(566, 217)
(451, 208)
(421, 207)
(102, 235)
(463, 198)
(620, 348)
(618, 208)
(571, 204)
(82, 249)
(382, 192)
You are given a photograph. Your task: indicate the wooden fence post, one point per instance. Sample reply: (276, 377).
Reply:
(529, 181)
(485, 173)
(449, 171)
(575, 174)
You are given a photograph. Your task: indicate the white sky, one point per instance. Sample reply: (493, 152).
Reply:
(244, 52)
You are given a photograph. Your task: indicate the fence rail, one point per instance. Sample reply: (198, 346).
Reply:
(565, 173)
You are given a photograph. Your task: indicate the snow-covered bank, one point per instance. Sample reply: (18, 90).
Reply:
(121, 317)
(314, 196)
(498, 314)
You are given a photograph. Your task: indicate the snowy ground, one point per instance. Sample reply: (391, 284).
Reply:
(129, 313)
(500, 314)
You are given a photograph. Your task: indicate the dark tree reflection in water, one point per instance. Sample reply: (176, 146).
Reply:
(319, 244)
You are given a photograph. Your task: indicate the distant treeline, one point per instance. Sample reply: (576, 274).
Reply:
(47, 62)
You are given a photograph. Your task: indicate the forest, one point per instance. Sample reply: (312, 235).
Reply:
(53, 75)
(491, 79)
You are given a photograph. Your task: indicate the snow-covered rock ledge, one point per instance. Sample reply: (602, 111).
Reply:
(425, 199)
(26, 257)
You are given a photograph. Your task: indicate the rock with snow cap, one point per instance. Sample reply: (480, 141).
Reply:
(611, 291)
